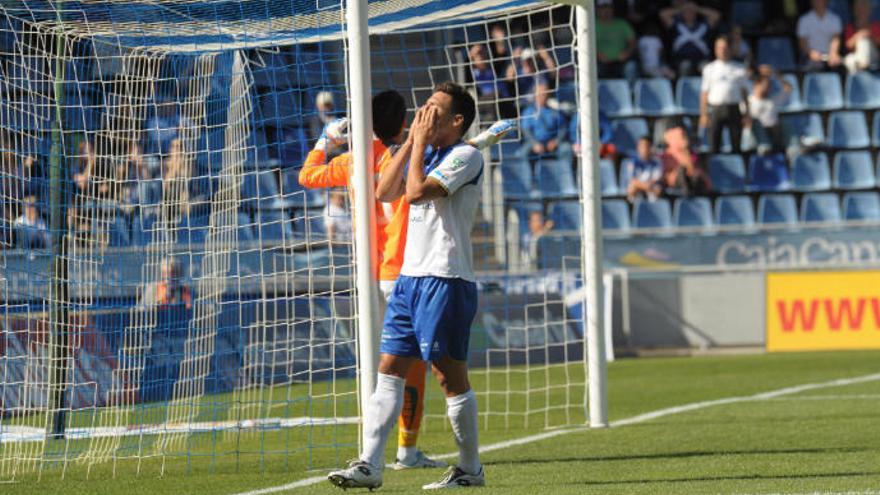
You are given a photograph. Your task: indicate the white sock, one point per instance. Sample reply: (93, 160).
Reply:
(405, 454)
(383, 409)
(462, 412)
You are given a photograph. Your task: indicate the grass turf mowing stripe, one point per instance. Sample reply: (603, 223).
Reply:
(641, 418)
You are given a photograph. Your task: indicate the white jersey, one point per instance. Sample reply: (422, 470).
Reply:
(438, 239)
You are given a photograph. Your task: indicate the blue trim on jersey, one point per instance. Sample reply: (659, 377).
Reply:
(429, 318)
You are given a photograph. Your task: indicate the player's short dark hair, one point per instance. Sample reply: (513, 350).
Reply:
(389, 112)
(462, 103)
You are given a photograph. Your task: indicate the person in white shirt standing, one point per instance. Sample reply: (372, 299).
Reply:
(725, 86)
(434, 301)
(818, 33)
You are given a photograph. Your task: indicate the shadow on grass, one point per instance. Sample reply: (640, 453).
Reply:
(680, 455)
(743, 477)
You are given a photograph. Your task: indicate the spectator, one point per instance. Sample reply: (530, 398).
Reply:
(615, 44)
(84, 167)
(491, 90)
(818, 33)
(724, 87)
(170, 289)
(499, 47)
(325, 111)
(690, 29)
(337, 219)
(162, 128)
(651, 53)
(682, 175)
(537, 227)
(79, 227)
(764, 108)
(862, 37)
(30, 229)
(175, 180)
(524, 73)
(607, 149)
(740, 51)
(644, 172)
(543, 126)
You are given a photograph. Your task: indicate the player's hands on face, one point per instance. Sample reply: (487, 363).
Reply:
(424, 126)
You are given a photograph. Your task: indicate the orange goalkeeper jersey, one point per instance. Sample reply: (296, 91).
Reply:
(391, 218)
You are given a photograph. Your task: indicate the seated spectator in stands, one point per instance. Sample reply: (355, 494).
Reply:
(725, 85)
(325, 111)
(129, 172)
(544, 127)
(525, 73)
(682, 175)
(764, 108)
(818, 33)
(33, 174)
(644, 172)
(690, 29)
(740, 51)
(615, 44)
(84, 166)
(537, 227)
(31, 231)
(170, 289)
(337, 218)
(175, 178)
(651, 53)
(607, 149)
(861, 39)
(492, 91)
(79, 227)
(163, 127)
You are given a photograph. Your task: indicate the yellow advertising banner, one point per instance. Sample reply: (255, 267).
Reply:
(811, 311)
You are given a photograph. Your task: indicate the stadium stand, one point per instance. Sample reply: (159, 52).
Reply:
(822, 92)
(777, 209)
(820, 208)
(811, 172)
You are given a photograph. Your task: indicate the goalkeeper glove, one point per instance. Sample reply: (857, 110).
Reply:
(492, 135)
(335, 134)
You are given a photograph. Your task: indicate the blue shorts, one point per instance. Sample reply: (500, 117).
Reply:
(429, 317)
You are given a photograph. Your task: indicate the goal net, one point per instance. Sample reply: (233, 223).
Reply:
(171, 295)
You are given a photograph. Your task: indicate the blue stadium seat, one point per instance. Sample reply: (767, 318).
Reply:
(615, 215)
(863, 91)
(625, 174)
(820, 208)
(853, 170)
(614, 97)
(555, 178)
(800, 127)
(259, 190)
(687, 94)
(273, 225)
(728, 173)
(861, 206)
(627, 133)
(143, 229)
(655, 214)
(822, 91)
(768, 173)
(653, 97)
(555, 251)
(777, 209)
(566, 215)
(848, 129)
(119, 235)
(793, 103)
(777, 52)
(811, 172)
(608, 178)
(516, 178)
(692, 212)
(193, 230)
(245, 227)
(734, 210)
(875, 130)
(747, 13)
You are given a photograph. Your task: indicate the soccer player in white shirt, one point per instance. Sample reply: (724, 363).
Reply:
(435, 299)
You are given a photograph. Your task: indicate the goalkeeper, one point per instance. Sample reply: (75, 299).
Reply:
(389, 123)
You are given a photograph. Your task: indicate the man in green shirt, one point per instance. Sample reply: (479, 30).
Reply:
(615, 43)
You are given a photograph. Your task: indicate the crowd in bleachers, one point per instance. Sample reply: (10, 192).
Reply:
(726, 113)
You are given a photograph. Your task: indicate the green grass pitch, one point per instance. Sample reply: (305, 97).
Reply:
(824, 440)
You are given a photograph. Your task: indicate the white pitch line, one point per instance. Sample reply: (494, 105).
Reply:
(641, 418)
